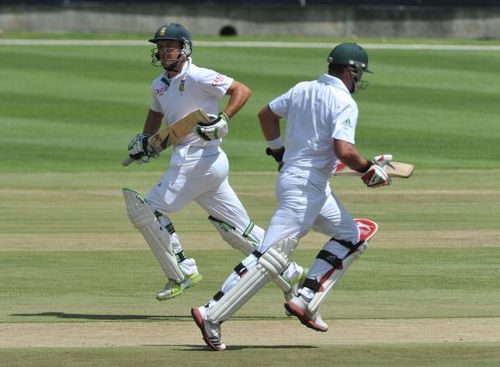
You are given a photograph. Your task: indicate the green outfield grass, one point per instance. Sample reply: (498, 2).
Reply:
(77, 107)
(68, 254)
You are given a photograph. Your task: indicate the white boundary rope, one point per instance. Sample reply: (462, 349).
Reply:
(253, 44)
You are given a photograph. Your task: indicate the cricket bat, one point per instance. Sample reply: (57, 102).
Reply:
(174, 133)
(393, 169)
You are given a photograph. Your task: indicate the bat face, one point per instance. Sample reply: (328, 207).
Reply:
(399, 169)
(393, 169)
(158, 142)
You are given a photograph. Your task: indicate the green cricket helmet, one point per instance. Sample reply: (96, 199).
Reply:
(354, 56)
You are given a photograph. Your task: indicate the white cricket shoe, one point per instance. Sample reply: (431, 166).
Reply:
(210, 330)
(297, 306)
(173, 289)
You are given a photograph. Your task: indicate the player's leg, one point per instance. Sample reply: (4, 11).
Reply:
(202, 171)
(330, 263)
(230, 218)
(226, 212)
(161, 238)
(294, 215)
(186, 264)
(223, 305)
(173, 192)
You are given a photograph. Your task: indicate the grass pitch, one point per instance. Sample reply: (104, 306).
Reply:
(77, 282)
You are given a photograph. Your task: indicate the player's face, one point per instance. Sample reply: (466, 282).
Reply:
(168, 52)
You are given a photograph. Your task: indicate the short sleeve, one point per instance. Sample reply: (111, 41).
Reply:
(155, 105)
(280, 104)
(345, 123)
(157, 90)
(213, 83)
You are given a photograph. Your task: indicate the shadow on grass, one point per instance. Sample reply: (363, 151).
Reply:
(63, 315)
(203, 348)
(187, 317)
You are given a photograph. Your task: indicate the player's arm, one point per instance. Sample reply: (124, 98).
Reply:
(270, 126)
(152, 123)
(348, 154)
(238, 96)
(372, 174)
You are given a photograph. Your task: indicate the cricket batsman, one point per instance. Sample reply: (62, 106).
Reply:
(198, 168)
(320, 131)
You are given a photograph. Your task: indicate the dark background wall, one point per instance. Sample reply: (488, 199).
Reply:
(427, 3)
(339, 18)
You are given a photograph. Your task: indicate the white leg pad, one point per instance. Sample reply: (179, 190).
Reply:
(269, 266)
(335, 276)
(243, 242)
(143, 218)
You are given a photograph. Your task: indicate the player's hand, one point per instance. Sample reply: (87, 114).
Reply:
(376, 176)
(277, 154)
(139, 149)
(217, 128)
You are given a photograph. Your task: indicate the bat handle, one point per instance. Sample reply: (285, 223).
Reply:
(127, 161)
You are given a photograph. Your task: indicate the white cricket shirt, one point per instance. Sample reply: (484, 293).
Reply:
(316, 112)
(192, 88)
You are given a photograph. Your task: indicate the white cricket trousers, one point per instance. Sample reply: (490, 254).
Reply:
(305, 201)
(201, 175)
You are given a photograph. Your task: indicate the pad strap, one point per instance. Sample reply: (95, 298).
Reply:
(353, 247)
(240, 269)
(330, 258)
(312, 284)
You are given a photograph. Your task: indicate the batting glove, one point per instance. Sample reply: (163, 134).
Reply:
(140, 150)
(277, 154)
(375, 176)
(217, 128)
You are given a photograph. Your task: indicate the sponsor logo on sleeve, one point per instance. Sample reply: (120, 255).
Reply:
(160, 91)
(218, 80)
(346, 124)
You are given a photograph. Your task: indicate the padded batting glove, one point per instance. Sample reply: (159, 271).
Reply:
(216, 129)
(277, 154)
(374, 175)
(140, 150)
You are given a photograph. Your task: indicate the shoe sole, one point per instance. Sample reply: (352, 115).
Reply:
(198, 319)
(297, 312)
(170, 296)
(190, 284)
